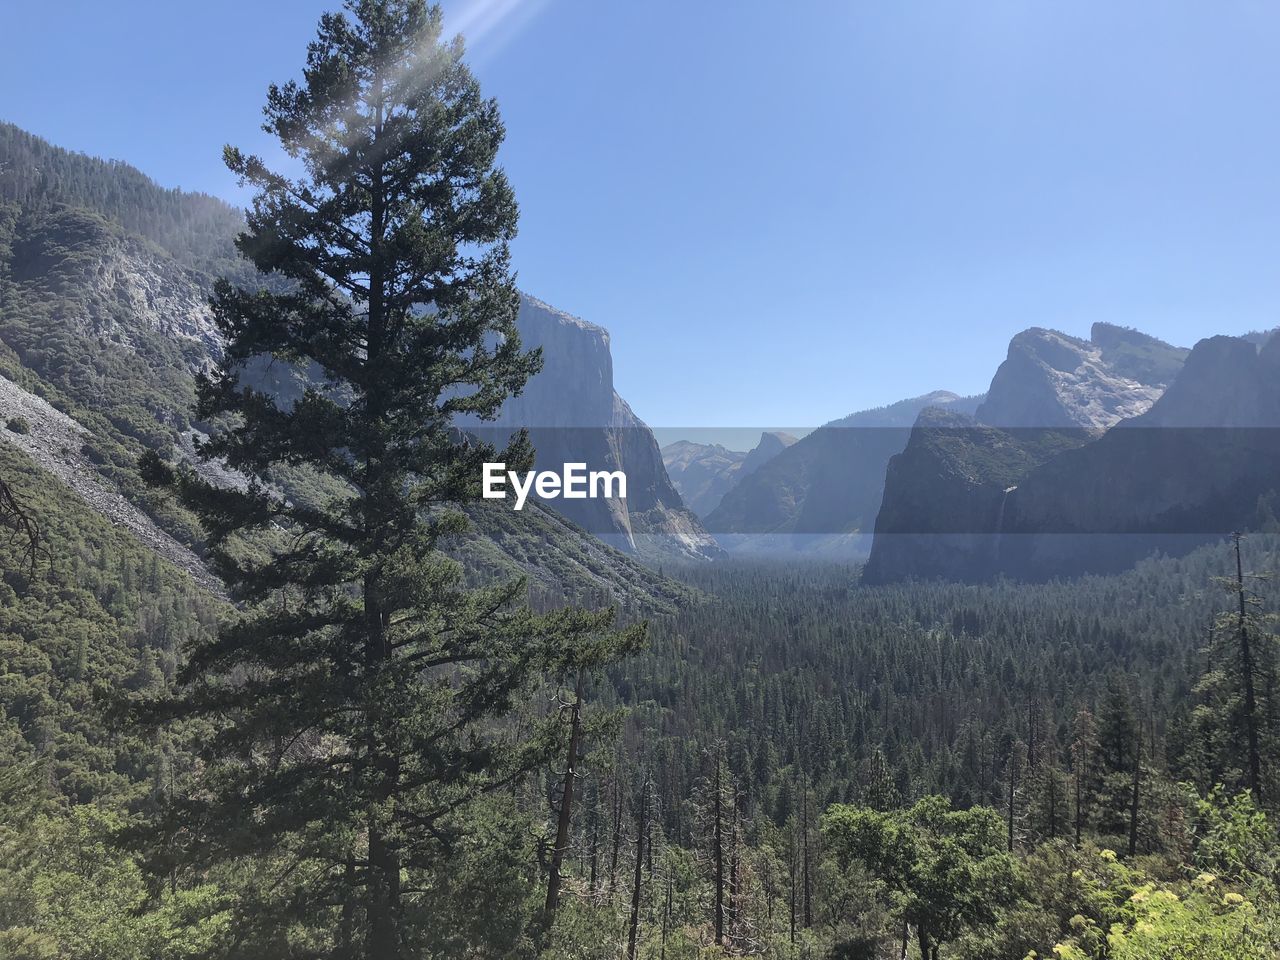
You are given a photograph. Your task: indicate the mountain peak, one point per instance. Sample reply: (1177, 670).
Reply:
(772, 443)
(1052, 379)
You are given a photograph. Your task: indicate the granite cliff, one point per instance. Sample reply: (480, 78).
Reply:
(969, 500)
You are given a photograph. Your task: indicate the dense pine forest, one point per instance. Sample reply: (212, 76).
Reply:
(807, 766)
(409, 730)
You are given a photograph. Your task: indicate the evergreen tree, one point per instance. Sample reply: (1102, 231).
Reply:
(1084, 770)
(361, 698)
(1239, 684)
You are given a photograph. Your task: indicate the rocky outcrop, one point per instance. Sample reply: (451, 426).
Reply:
(574, 415)
(946, 496)
(1050, 379)
(701, 472)
(112, 286)
(967, 501)
(772, 443)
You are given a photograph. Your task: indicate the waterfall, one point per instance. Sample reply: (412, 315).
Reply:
(1000, 516)
(995, 541)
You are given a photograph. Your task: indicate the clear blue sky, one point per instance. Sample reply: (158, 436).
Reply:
(784, 212)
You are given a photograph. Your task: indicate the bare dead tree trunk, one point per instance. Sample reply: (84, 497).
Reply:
(648, 847)
(717, 854)
(1078, 800)
(733, 867)
(808, 886)
(565, 819)
(1247, 671)
(1013, 761)
(633, 927)
(617, 837)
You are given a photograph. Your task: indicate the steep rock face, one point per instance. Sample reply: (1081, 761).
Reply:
(1226, 382)
(830, 481)
(1033, 503)
(1050, 379)
(946, 496)
(121, 287)
(705, 472)
(575, 386)
(1200, 464)
(574, 415)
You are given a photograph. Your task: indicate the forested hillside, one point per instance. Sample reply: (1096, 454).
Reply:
(827, 712)
(195, 228)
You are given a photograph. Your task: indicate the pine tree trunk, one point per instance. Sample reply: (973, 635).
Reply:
(718, 851)
(648, 848)
(384, 898)
(1133, 806)
(1031, 733)
(633, 927)
(595, 844)
(617, 838)
(1012, 778)
(808, 886)
(566, 808)
(733, 888)
(383, 887)
(666, 921)
(346, 926)
(733, 869)
(1052, 773)
(1078, 795)
(791, 864)
(1250, 700)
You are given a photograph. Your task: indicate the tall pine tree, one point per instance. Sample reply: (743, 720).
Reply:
(360, 700)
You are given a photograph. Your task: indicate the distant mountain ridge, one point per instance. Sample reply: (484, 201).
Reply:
(705, 472)
(830, 481)
(970, 501)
